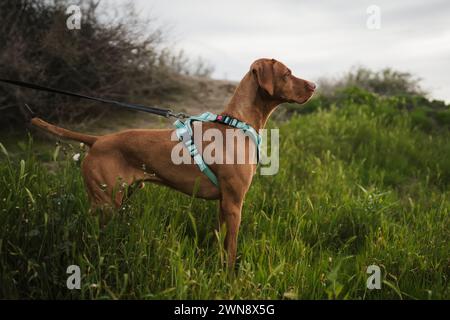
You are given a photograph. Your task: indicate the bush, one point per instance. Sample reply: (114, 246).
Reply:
(387, 82)
(117, 60)
(427, 114)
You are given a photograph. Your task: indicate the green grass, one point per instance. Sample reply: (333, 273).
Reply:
(357, 186)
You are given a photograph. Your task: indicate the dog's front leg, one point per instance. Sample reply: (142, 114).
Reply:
(230, 213)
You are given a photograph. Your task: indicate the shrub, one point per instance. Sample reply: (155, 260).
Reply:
(123, 59)
(427, 114)
(386, 82)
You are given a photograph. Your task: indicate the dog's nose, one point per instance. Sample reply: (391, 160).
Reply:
(311, 85)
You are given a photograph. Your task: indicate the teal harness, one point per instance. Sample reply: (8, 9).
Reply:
(184, 134)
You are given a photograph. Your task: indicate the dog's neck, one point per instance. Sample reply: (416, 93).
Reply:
(248, 103)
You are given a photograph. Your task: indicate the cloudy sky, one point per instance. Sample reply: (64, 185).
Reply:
(315, 39)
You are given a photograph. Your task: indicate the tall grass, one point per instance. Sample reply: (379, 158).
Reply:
(356, 186)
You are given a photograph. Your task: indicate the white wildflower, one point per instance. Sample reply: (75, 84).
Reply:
(76, 157)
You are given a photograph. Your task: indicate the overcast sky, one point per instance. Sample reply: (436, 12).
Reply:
(315, 39)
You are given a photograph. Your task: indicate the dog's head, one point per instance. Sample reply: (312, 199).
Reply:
(277, 81)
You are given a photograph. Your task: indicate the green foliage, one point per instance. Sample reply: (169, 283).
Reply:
(387, 90)
(443, 117)
(426, 114)
(357, 186)
(386, 82)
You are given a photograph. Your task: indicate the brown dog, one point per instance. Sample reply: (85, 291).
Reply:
(145, 155)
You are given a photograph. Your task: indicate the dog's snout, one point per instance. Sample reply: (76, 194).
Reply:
(310, 85)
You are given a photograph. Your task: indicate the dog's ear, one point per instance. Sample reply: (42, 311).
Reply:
(263, 70)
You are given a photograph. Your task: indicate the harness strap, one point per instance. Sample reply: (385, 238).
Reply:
(233, 122)
(184, 134)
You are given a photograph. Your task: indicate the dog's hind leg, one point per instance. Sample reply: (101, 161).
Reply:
(106, 180)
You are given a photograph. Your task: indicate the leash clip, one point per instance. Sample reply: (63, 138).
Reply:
(179, 115)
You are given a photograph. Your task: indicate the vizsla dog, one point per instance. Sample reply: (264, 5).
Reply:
(133, 156)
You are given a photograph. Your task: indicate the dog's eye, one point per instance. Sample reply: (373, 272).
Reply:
(287, 75)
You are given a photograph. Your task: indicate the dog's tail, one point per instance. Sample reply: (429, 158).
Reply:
(64, 133)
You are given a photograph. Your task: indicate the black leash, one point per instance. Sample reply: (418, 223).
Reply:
(158, 111)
